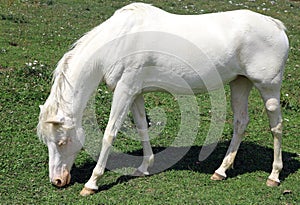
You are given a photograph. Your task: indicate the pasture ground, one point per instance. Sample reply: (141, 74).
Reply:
(33, 37)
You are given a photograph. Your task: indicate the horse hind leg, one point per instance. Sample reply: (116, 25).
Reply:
(271, 98)
(240, 90)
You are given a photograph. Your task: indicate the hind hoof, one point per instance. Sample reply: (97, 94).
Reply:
(272, 183)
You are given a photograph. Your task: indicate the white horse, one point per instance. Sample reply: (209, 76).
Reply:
(243, 48)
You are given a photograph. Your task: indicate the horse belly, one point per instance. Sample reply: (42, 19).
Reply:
(184, 79)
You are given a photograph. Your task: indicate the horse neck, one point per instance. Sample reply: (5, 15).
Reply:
(80, 71)
(74, 87)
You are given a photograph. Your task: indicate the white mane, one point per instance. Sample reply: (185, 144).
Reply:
(60, 81)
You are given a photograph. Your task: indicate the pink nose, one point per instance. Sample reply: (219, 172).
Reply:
(61, 181)
(58, 182)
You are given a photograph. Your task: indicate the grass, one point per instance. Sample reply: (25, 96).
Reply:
(35, 35)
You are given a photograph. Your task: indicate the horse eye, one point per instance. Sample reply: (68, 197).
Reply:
(61, 143)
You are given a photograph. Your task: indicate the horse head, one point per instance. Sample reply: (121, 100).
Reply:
(64, 140)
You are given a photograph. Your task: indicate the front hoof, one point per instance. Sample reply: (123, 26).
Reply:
(86, 191)
(217, 177)
(272, 183)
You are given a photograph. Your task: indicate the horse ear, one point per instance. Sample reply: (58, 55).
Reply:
(56, 120)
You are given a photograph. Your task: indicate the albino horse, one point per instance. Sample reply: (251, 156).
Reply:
(246, 49)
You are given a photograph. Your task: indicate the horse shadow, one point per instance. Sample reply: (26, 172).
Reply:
(251, 157)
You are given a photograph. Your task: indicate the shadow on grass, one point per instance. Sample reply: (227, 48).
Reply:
(250, 158)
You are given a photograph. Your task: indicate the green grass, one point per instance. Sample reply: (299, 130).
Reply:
(40, 32)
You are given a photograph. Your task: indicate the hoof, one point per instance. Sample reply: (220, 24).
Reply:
(138, 173)
(86, 191)
(217, 177)
(272, 183)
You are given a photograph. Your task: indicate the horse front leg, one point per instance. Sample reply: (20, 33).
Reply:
(139, 115)
(122, 99)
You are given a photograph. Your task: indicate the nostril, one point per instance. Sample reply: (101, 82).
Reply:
(57, 182)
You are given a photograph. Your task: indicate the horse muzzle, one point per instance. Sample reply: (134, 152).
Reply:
(62, 180)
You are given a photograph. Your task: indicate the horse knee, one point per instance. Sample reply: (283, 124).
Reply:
(272, 104)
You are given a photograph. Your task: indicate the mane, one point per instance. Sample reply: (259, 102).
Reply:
(59, 78)
(60, 81)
